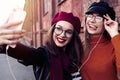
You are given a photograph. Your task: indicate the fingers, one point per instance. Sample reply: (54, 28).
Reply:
(10, 39)
(108, 20)
(8, 25)
(10, 32)
(11, 36)
(107, 17)
(110, 25)
(9, 42)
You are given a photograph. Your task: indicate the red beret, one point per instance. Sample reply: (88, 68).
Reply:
(69, 17)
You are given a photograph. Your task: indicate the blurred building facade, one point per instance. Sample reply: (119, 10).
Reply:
(41, 12)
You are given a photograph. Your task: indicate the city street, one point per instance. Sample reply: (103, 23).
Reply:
(20, 71)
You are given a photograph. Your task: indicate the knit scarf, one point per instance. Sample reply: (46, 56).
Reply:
(58, 62)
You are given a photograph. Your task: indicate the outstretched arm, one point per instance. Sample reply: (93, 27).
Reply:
(28, 55)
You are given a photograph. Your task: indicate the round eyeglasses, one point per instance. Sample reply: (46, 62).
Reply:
(96, 18)
(67, 33)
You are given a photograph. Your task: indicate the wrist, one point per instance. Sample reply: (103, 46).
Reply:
(2, 48)
(113, 34)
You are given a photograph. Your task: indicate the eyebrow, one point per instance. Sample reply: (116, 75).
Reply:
(59, 25)
(62, 27)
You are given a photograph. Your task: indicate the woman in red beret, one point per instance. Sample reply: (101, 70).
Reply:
(60, 57)
(101, 60)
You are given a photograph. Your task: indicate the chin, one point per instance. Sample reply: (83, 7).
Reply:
(91, 33)
(60, 45)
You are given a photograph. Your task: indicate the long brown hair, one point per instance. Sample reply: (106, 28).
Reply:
(87, 37)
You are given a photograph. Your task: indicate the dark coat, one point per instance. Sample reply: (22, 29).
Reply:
(39, 58)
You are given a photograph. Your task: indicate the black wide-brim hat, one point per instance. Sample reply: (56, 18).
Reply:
(101, 8)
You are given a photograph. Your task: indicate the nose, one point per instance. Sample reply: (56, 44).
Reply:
(93, 19)
(63, 34)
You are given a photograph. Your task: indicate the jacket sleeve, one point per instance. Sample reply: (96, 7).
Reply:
(116, 44)
(28, 55)
(3, 49)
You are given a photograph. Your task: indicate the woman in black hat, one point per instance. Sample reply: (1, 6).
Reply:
(101, 60)
(60, 57)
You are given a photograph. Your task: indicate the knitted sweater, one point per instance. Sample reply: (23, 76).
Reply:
(104, 60)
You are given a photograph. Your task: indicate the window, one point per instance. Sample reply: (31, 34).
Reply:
(45, 6)
(60, 1)
(112, 2)
(118, 19)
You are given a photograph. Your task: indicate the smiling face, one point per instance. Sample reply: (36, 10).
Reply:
(63, 33)
(94, 24)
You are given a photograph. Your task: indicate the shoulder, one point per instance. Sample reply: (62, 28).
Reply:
(116, 40)
(44, 50)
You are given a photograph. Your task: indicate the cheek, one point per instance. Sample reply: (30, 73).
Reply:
(101, 28)
(66, 42)
(54, 37)
(86, 25)
(69, 40)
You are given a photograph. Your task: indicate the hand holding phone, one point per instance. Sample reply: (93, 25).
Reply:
(17, 15)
